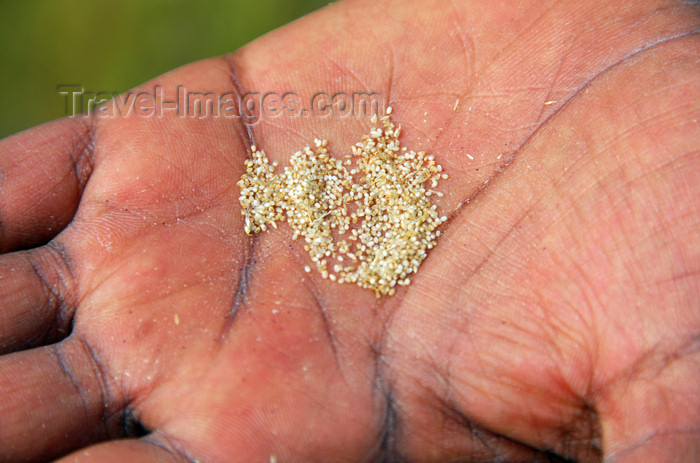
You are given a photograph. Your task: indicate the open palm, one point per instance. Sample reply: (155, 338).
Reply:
(558, 317)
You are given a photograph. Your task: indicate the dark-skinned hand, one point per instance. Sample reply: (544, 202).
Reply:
(558, 318)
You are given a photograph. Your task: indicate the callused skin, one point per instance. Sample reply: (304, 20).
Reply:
(556, 319)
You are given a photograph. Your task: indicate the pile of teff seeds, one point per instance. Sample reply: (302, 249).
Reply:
(366, 220)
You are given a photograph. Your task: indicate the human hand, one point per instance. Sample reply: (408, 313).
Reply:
(556, 319)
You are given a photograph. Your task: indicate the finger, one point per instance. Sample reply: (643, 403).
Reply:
(133, 451)
(36, 297)
(42, 174)
(53, 401)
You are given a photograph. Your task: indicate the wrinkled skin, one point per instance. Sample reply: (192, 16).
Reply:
(558, 317)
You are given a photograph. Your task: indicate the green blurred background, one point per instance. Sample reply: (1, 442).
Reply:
(110, 45)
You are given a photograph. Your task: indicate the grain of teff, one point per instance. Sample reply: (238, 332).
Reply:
(366, 220)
